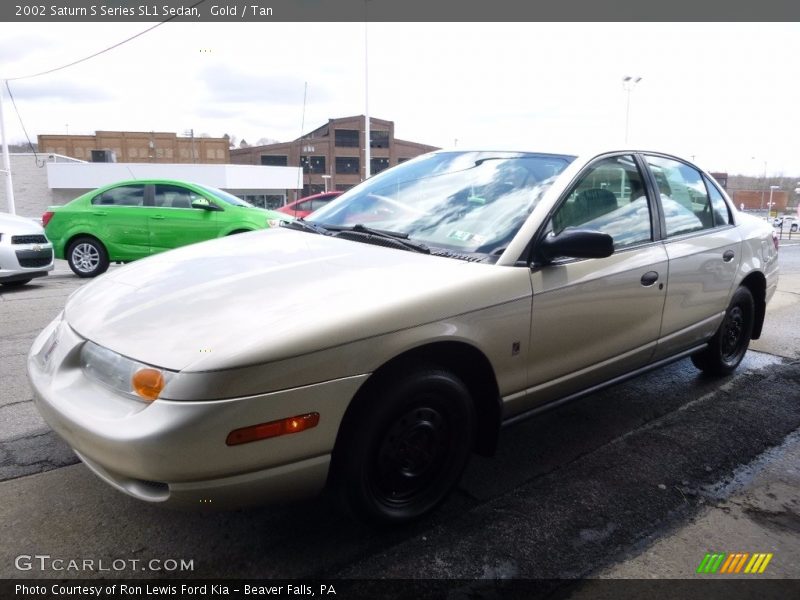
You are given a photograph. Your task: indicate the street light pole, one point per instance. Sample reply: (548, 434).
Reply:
(627, 83)
(6, 159)
(769, 204)
(367, 163)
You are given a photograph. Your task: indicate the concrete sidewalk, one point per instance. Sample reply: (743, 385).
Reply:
(757, 512)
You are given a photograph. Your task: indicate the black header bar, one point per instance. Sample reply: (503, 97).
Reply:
(104, 11)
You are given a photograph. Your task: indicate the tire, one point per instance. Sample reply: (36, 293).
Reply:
(728, 346)
(17, 283)
(404, 449)
(87, 257)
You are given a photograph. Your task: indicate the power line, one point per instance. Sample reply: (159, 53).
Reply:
(117, 45)
(72, 64)
(25, 131)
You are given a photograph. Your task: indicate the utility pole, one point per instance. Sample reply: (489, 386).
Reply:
(367, 164)
(627, 83)
(6, 158)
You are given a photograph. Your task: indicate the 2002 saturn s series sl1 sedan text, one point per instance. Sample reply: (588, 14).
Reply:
(375, 346)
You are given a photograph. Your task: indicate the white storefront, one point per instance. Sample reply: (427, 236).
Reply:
(57, 180)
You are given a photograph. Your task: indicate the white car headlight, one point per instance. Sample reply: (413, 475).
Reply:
(132, 378)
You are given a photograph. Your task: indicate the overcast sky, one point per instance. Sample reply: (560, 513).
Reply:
(726, 93)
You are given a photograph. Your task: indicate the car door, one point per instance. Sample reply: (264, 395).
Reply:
(704, 251)
(174, 223)
(595, 319)
(119, 220)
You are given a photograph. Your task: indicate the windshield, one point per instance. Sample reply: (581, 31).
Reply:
(460, 201)
(224, 196)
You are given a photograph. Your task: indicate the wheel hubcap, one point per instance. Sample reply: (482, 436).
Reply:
(85, 257)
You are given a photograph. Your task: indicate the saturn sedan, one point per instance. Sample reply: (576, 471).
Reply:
(373, 347)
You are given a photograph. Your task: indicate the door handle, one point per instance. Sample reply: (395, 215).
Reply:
(649, 278)
(728, 255)
(159, 217)
(99, 213)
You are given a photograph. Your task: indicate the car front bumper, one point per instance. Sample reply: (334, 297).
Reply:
(19, 262)
(174, 452)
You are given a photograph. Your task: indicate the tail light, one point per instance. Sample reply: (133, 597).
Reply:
(46, 218)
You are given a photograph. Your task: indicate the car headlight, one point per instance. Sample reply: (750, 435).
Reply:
(132, 378)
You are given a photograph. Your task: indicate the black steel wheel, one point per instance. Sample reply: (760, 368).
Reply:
(404, 450)
(728, 346)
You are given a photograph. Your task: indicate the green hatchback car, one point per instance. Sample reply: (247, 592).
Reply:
(133, 219)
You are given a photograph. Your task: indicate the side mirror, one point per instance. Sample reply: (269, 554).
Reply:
(576, 243)
(204, 204)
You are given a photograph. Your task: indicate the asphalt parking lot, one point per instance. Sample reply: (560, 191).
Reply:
(584, 490)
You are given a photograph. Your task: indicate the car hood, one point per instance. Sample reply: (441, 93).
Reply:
(18, 225)
(274, 294)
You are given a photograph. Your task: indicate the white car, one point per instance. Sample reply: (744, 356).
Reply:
(375, 345)
(786, 223)
(25, 251)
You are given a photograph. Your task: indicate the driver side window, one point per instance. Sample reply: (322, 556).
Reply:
(609, 198)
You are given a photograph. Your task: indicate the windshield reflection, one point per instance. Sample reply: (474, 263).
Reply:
(462, 201)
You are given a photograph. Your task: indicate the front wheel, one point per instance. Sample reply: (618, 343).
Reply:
(87, 257)
(405, 448)
(728, 346)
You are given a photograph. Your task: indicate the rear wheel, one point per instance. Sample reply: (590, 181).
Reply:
(404, 450)
(87, 257)
(729, 345)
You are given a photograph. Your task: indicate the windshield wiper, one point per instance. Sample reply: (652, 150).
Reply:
(304, 225)
(367, 234)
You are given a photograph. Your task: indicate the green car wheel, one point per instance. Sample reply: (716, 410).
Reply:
(87, 257)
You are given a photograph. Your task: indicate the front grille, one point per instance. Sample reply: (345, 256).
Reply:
(30, 259)
(28, 239)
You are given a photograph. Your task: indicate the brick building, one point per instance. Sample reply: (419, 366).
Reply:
(137, 147)
(332, 156)
(753, 200)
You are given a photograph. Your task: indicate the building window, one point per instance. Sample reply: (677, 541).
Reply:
(313, 164)
(347, 165)
(378, 139)
(347, 138)
(376, 165)
(343, 187)
(274, 161)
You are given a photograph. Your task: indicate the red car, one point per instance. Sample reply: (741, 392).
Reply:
(305, 206)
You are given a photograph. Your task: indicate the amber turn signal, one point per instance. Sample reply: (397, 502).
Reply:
(263, 431)
(148, 383)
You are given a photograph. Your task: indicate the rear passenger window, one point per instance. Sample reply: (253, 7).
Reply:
(722, 214)
(126, 195)
(173, 196)
(684, 197)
